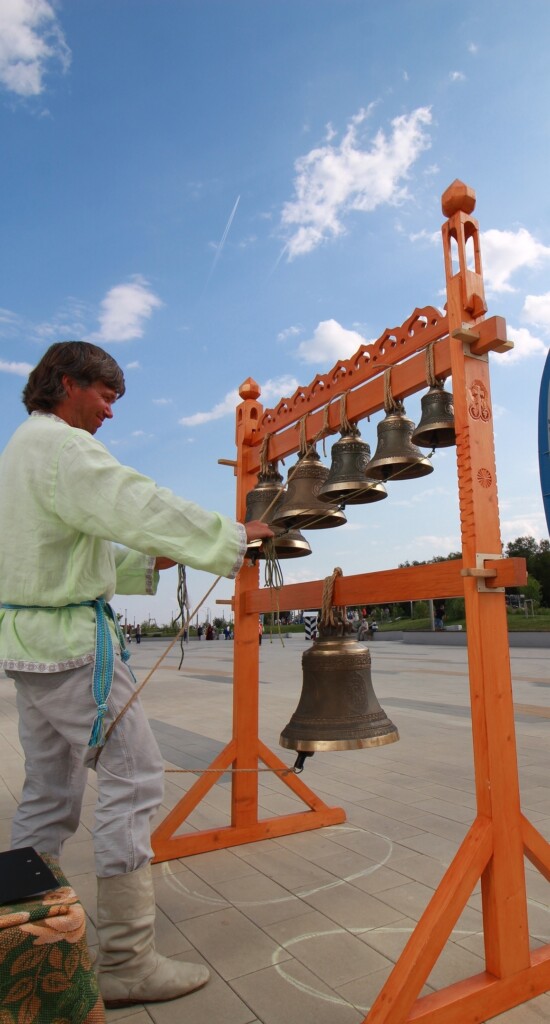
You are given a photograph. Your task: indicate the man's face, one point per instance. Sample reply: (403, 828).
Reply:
(88, 407)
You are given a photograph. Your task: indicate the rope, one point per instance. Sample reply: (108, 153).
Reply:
(327, 614)
(390, 403)
(430, 369)
(232, 771)
(183, 605)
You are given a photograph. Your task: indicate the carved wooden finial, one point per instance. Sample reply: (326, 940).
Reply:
(458, 197)
(250, 389)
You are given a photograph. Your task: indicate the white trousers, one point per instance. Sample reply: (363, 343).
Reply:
(56, 712)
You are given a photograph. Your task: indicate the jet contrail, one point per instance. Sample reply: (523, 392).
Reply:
(221, 243)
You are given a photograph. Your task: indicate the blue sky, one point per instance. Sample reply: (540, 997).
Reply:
(218, 189)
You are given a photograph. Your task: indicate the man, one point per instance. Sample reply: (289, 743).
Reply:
(65, 506)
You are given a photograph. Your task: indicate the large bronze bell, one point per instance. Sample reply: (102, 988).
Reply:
(347, 482)
(338, 709)
(300, 508)
(396, 457)
(437, 424)
(288, 543)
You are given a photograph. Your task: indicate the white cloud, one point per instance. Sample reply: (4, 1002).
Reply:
(525, 345)
(536, 309)
(272, 391)
(162, 401)
(441, 545)
(334, 180)
(289, 332)
(133, 366)
(7, 317)
(504, 252)
(457, 76)
(124, 309)
(532, 525)
(330, 342)
(21, 369)
(30, 41)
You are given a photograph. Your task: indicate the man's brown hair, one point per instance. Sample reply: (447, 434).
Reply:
(81, 361)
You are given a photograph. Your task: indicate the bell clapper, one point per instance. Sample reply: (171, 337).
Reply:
(299, 763)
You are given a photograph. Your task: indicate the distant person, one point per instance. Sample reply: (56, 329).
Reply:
(209, 632)
(199, 632)
(138, 634)
(439, 615)
(77, 527)
(260, 630)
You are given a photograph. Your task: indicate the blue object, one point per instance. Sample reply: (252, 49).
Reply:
(544, 438)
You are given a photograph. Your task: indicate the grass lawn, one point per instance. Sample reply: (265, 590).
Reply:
(517, 621)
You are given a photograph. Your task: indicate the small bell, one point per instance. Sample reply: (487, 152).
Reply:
(347, 482)
(338, 709)
(437, 424)
(269, 492)
(300, 508)
(396, 457)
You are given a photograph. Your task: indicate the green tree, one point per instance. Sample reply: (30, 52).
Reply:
(537, 556)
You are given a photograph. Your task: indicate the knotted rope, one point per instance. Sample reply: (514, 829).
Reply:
(327, 604)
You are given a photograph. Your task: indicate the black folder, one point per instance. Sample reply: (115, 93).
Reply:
(23, 873)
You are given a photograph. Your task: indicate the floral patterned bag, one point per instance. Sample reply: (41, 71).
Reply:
(45, 972)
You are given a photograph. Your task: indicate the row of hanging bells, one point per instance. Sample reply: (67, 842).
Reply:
(315, 496)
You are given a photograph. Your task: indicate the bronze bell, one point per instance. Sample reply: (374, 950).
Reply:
(347, 482)
(396, 457)
(288, 543)
(437, 424)
(300, 508)
(338, 708)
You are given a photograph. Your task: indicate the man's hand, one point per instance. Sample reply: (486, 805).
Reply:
(255, 530)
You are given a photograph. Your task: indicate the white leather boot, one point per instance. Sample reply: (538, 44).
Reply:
(129, 968)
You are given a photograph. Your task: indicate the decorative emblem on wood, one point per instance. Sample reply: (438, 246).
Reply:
(478, 405)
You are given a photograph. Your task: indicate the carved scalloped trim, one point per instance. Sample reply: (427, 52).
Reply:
(394, 344)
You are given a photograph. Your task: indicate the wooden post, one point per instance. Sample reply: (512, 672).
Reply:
(494, 846)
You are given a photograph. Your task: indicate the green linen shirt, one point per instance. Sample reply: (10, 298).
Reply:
(65, 505)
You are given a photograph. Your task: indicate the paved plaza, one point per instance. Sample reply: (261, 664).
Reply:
(306, 928)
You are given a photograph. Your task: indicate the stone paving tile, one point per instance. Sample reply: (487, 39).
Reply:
(290, 994)
(382, 825)
(77, 859)
(527, 1013)
(433, 846)
(351, 908)
(129, 1014)
(376, 879)
(326, 949)
(454, 964)
(389, 939)
(220, 865)
(232, 943)
(142, 1017)
(261, 899)
(446, 809)
(216, 1001)
(417, 867)
(284, 866)
(362, 992)
(183, 895)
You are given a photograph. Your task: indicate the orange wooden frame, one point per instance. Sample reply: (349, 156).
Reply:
(500, 835)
